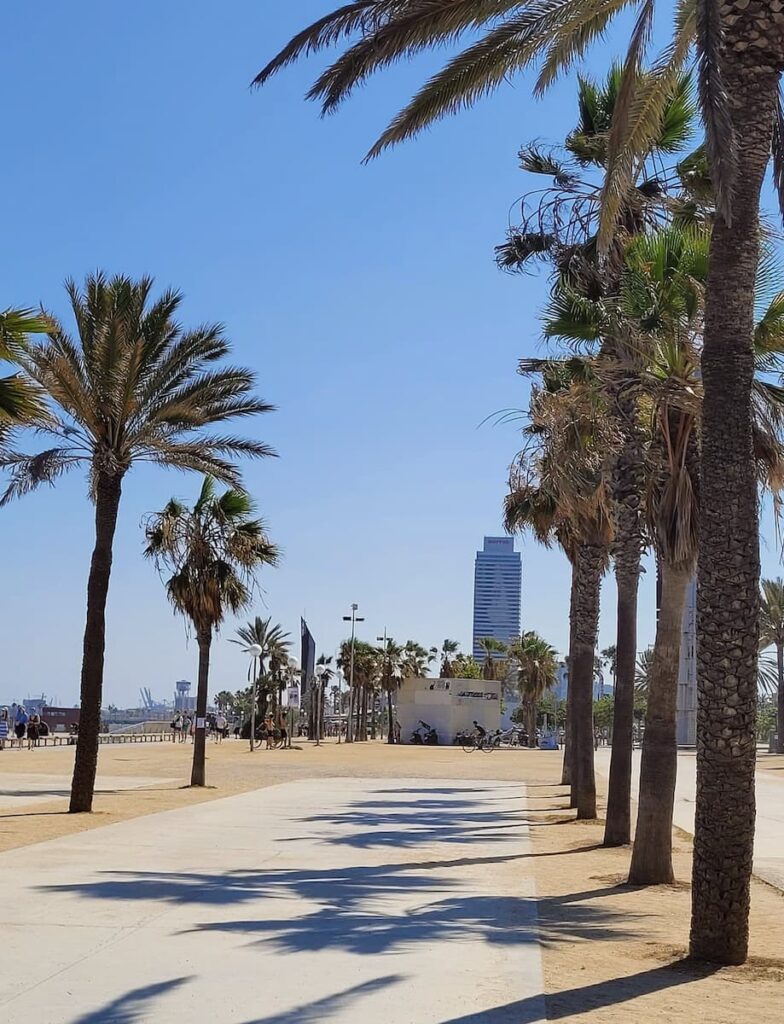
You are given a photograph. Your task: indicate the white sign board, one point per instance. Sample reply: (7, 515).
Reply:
(293, 696)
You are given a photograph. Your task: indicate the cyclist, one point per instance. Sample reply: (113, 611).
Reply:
(479, 732)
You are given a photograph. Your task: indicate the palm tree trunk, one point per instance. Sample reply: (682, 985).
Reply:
(107, 504)
(204, 638)
(566, 769)
(627, 553)
(780, 700)
(728, 568)
(531, 722)
(391, 732)
(652, 853)
(589, 563)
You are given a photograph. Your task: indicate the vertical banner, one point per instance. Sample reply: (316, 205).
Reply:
(307, 659)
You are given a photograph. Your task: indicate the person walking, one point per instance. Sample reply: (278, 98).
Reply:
(20, 723)
(221, 725)
(186, 728)
(3, 727)
(32, 732)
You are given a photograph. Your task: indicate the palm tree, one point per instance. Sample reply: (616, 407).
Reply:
(393, 659)
(558, 491)
(213, 552)
(448, 648)
(316, 717)
(274, 644)
(416, 660)
(133, 388)
(772, 635)
(20, 399)
(493, 660)
(536, 664)
(739, 51)
(366, 671)
(560, 223)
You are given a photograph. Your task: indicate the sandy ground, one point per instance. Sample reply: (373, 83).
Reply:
(611, 953)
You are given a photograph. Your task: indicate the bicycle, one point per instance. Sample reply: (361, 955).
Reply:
(471, 741)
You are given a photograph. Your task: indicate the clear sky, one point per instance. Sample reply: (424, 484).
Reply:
(365, 297)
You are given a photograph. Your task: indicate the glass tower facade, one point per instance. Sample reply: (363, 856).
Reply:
(498, 584)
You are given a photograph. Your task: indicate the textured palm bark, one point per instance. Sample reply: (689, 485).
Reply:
(589, 568)
(198, 775)
(391, 730)
(566, 769)
(107, 504)
(628, 483)
(780, 700)
(728, 570)
(652, 854)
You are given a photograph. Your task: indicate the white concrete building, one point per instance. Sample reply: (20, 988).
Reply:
(449, 705)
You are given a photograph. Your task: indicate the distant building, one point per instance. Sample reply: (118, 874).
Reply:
(686, 713)
(498, 583)
(182, 699)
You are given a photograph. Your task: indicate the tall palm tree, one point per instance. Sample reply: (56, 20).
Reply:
(132, 388)
(448, 648)
(560, 223)
(213, 553)
(558, 491)
(739, 49)
(493, 657)
(20, 399)
(274, 644)
(394, 667)
(536, 664)
(366, 673)
(772, 635)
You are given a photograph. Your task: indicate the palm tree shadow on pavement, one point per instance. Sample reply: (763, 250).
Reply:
(131, 1007)
(573, 1002)
(329, 1006)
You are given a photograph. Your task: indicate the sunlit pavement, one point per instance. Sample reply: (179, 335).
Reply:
(769, 834)
(339, 899)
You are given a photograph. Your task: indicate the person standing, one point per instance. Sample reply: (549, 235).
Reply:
(186, 728)
(32, 732)
(20, 723)
(3, 727)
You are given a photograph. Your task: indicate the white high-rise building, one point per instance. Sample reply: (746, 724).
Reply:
(498, 584)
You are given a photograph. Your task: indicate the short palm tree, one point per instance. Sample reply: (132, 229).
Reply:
(416, 659)
(535, 665)
(274, 644)
(448, 648)
(213, 553)
(132, 388)
(493, 657)
(772, 635)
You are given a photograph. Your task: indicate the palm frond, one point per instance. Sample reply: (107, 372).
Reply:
(28, 472)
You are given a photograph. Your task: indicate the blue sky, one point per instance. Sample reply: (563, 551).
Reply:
(365, 297)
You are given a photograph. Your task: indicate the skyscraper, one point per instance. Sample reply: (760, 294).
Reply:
(498, 582)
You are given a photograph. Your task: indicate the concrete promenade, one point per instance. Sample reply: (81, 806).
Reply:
(769, 835)
(372, 900)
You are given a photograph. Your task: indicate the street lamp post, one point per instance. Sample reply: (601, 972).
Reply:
(255, 652)
(320, 670)
(353, 619)
(385, 640)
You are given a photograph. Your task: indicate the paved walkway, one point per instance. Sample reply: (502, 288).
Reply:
(769, 834)
(18, 790)
(337, 899)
